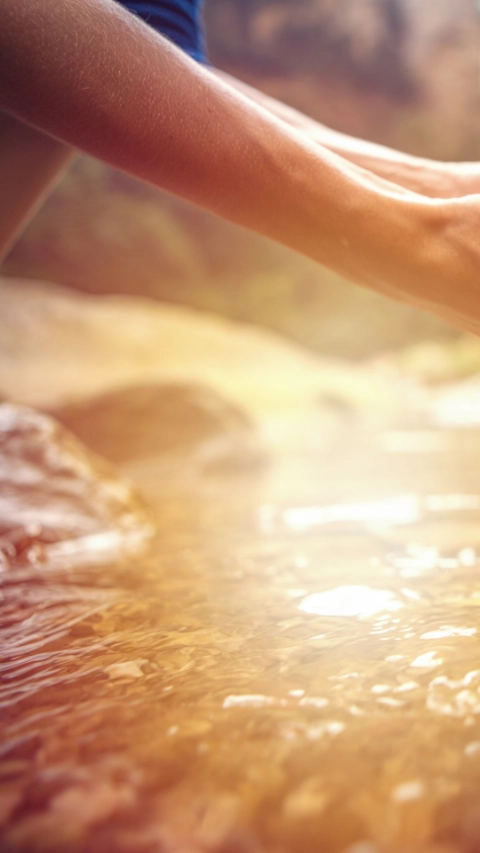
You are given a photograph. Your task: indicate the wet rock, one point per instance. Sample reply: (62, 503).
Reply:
(55, 493)
(171, 420)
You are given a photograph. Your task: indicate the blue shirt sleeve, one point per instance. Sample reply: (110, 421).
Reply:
(179, 20)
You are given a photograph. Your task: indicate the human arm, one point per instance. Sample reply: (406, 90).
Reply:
(31, 162)
(432, 178)
(87, 73)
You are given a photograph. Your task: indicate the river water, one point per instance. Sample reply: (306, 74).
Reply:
(292, 666)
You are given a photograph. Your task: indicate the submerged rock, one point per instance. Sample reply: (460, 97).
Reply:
(56, 493)
(170, 420)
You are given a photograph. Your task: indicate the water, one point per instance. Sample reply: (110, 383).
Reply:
(293, 665)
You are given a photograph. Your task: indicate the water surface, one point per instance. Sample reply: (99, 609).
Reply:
(292, 666)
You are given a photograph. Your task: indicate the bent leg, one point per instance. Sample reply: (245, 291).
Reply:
(30, 163)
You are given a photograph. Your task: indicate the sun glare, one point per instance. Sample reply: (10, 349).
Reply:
(360, 601)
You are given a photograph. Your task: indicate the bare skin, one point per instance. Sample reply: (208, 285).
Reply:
(428, 177)
(96, 79)
(31, 162)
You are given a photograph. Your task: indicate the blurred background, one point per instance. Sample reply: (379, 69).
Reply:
(401, 72)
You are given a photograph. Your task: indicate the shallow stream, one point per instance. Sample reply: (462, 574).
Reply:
(292, 667)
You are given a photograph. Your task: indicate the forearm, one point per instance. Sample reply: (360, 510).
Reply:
(86, 72)
(419, 174)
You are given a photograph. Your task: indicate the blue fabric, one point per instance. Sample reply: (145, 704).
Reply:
(178, 20)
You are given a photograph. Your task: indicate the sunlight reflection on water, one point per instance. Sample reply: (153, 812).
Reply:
(268, 659)
(361, 601)
(404, 509)
(399, 510)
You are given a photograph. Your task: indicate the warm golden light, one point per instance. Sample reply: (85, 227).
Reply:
(361, 601)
